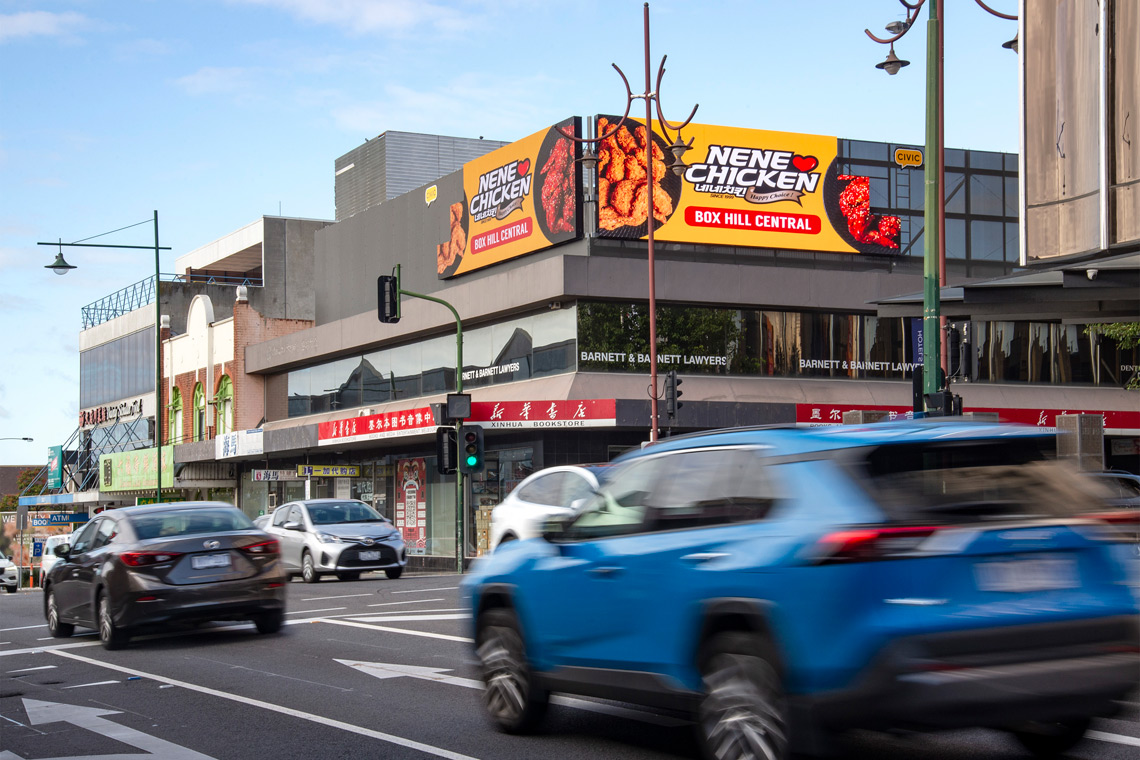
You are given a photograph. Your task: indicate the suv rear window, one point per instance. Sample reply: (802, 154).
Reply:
(971, 481)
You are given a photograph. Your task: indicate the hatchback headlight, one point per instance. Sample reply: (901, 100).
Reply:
(329, 538)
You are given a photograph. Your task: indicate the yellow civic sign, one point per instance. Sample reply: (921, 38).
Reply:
(908, 156)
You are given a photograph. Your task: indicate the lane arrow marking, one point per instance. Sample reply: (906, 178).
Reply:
(385, 670)
(92, 719)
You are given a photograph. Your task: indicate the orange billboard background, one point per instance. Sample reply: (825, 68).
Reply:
(518, 199)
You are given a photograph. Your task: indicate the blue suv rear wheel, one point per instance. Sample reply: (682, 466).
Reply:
(743, 713)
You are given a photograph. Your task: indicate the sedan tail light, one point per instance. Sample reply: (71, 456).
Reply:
(143, 559)
(868, 544)
(263, 548)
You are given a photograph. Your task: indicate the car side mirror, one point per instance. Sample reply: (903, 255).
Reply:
(576, 505)
(293, 525)
(63, 551)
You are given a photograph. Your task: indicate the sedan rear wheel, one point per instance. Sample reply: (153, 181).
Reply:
(110, 635)
(1050, 739)
(513, 699)
(394, 572)
(309, 572)
(269, 622)
(743, 713)
(56, 628)
(353, 576)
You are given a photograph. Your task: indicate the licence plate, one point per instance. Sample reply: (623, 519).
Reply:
(1024, 575)
(210, 560)
(369, 556)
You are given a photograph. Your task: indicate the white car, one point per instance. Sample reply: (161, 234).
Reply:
(545, 494)
(9, 575)
(48, 560)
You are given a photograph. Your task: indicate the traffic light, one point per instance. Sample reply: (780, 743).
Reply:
(672, 393)
(388, 298)
(445, 450)
(470, 449)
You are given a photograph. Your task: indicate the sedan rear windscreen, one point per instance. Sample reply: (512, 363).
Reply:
(966, 481)
(187, 522)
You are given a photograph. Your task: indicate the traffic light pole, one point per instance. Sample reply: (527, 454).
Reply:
(460, 510)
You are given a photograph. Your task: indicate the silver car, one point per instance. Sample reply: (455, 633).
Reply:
(344, 537)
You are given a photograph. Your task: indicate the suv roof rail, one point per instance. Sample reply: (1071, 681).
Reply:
(720, 431)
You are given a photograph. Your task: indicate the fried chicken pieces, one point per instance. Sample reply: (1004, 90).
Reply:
(446, 253)
(558, 187)
(623, 187)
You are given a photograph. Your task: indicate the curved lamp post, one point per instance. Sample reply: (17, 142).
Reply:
(16, 438)
(677, 148)
(934, 355)
(61, 267)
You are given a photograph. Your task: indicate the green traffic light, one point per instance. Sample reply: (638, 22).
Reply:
(472, 461)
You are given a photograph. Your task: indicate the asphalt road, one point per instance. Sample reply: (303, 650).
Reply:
(366, 669)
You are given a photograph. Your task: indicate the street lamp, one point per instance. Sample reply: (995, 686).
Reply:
(934, 357)
(590, 159)
(61, 267)
(17, 438)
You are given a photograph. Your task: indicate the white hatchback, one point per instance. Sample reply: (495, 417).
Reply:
(545, 494)
(48, 560)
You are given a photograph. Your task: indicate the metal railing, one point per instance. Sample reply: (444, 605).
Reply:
(141, 294)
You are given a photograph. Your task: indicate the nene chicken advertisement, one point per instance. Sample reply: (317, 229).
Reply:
(742, 187)
(518, 199)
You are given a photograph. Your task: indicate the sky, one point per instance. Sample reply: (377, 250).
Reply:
(216, 112)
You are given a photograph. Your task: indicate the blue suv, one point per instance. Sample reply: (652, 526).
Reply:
(782, 585)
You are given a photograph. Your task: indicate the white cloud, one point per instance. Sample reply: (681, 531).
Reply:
(213, 80)
(359, 17)
(40, 24)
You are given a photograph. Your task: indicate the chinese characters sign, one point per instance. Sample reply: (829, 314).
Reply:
(135, 470)
(1115, 423)
(583, 413)
(376, 427)
(239, 444)
(411, 504)
(328, 471)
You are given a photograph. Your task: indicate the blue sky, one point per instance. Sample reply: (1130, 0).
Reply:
(215, 112)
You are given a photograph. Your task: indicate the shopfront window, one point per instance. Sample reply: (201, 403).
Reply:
(535, 346)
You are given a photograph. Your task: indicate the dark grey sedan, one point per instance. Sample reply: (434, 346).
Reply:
(140, 566)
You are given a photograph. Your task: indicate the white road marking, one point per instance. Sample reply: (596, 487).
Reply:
(326, 598)
(330, 722)
(387, 613)
(410, 601)
(94, 683)
(24, 627)
(46, 638)
(29, 670)
(37, 650)
(310, 612)
(391, 670)
(425, 634)
(1115, 738)
(91, 718)
(409, 618)
(425, 590)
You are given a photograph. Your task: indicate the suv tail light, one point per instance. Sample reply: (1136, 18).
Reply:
(263, 548)
(1120, 527)
(869, 544)
(143, 559)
